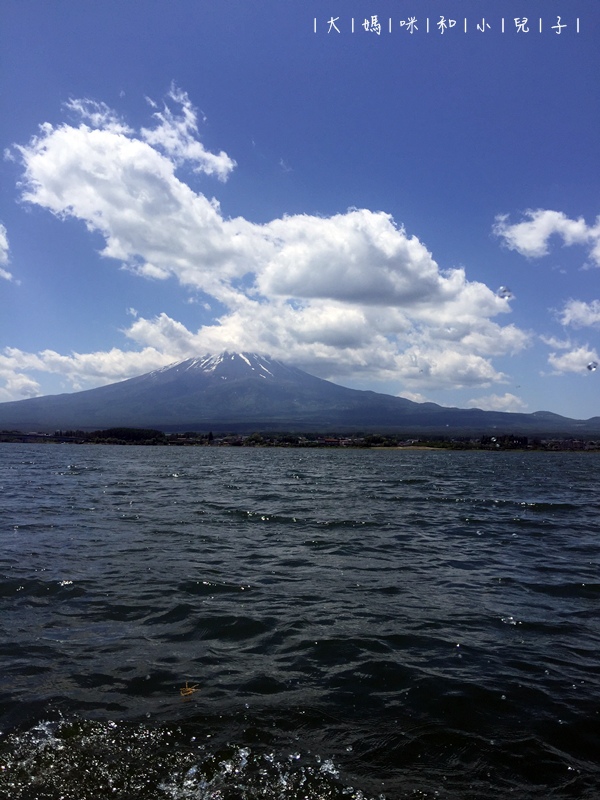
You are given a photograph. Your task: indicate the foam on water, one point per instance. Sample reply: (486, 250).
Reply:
(84, 760)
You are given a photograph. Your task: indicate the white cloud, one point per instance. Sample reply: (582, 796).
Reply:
(580, 314)
(98, 115)
(176, 136)
(359, 256)
(495, 402)
(480, 335)
(126, 190)
(82, 370)
(329, 351)
(453, 368)
(164, 335)
(4, 254)
(576, 360)
(575, 357)
(557, 344)
(416, 397)
(531, 237)
(350, 294)
(17, 386)
(3, 245)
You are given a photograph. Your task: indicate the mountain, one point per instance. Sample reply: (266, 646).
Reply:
(246, 391)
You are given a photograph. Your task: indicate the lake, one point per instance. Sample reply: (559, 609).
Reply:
(348, 624)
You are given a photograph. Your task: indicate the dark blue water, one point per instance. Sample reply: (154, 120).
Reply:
(357, 624)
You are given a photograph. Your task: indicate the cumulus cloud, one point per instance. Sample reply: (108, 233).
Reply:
(495, 402)
(359, 256)
(581, 315)
(575, 360)
(309, 338)
(79, 369)
(17, 386)
(126, 190)
(349, 294)
(531, 236)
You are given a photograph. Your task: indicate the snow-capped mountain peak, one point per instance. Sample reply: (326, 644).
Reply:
(228, 365)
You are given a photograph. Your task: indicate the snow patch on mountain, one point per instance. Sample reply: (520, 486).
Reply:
(227, 364)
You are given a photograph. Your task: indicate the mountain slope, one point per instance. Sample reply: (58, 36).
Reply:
(243, 391)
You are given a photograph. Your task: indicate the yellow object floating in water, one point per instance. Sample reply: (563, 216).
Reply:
(186, 690)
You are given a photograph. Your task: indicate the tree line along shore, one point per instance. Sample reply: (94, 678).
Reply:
(150, 437)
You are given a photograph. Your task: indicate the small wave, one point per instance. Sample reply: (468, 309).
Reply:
(589, 591)
(64, 589)
(211, 588)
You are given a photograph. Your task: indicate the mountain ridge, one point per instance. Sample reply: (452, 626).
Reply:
(247, 391)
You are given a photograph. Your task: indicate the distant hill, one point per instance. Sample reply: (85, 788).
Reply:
(245, 391)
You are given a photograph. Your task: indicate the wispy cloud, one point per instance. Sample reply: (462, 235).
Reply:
(4, 254)
(97, 115)
(176, 135)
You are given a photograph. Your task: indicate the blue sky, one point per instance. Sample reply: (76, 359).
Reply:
(185, 177)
